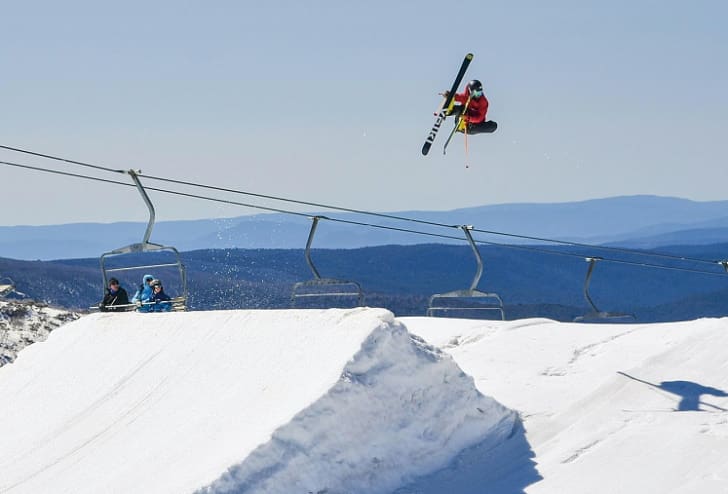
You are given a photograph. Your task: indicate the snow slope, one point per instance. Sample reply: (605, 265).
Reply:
(357, 401)
(623, 408)
(335, 401)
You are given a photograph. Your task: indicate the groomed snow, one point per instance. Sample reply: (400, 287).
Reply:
(335, 401)
(627, 408)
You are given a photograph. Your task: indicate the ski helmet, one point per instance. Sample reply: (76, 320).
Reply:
(475, 87)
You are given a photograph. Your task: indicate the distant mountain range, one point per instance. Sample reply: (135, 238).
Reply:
(533, 281)
(636, 221)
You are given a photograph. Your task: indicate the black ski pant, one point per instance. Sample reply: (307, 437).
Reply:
(487, 127)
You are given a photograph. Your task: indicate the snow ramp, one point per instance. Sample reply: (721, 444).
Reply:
(334, 401)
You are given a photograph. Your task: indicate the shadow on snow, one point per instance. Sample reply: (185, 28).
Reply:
(688, 393)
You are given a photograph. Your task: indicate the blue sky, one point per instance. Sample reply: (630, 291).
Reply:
(331, 101)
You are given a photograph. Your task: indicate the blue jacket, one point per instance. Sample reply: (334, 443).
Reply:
(144, 294)
(161, 302)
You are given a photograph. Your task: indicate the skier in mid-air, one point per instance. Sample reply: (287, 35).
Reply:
(469, 108)
(477, 108)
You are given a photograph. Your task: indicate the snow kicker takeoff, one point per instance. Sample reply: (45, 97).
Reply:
(469, 108)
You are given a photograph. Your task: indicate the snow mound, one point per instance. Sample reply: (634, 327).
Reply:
(238, 401)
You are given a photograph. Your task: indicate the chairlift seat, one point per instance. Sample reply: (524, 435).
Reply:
(470, 299)
(327, 288)
(467, 300)
(7, 286)
(603, 316)
(323, 288)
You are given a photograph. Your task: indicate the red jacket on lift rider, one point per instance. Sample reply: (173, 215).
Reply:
(477, 108)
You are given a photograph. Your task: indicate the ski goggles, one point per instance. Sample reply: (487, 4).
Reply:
(477, 93)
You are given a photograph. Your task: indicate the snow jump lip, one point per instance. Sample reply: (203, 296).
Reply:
(242, 400)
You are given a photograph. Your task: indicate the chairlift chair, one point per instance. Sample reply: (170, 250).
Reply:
(9, 290)
(179, 302)
(470, 299)
(7, 286)
(324, 288)
(596, 315)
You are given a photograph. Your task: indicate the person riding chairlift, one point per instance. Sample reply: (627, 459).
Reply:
(160, 300)
(144, 294)
(115, 295)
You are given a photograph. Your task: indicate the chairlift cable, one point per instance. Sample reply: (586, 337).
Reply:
(371, 213)
(81, 163)
(358, 223)
(605, 259)
(434, 223)
(224, 189)
(225, 201)
(68, 174)
(166, 191)
(601, 247)
(393, 228)
(304, 203)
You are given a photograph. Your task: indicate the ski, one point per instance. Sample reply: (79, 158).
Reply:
(443, 110)
(457, 124)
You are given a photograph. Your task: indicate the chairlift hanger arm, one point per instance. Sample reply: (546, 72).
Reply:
(592, 263)
(476, 252)
(311, 233)
(152, 214)
(596, 313)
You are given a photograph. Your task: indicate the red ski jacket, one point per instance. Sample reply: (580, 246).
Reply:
(477, 108)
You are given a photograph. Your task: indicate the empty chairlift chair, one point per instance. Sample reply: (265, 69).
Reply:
(9, 290)
(596, 315)
(470, 300)
(328, 292)
(130, 263)
(6, 286)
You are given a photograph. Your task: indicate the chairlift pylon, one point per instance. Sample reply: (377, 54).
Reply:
(596, 314)
(471, 299)
(318, 287)
(179, 302)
